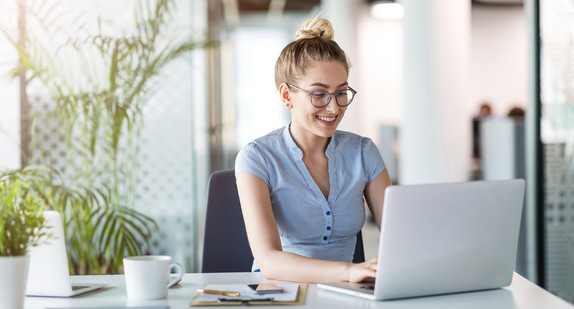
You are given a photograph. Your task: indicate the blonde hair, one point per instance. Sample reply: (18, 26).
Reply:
(313, 42)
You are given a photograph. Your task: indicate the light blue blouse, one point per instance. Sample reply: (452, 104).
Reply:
(308, 224)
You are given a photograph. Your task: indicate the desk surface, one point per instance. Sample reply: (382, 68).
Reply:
(520, 294)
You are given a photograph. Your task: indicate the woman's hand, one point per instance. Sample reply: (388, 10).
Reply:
(363, 271)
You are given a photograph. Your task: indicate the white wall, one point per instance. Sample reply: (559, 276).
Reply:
(9, 124)
(9, 108)
(258, 109)
(379, 67)
(499, 57)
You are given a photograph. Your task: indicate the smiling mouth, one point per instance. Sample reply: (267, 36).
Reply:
(327, 118)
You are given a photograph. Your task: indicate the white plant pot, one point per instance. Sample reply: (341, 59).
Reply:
(14, 270)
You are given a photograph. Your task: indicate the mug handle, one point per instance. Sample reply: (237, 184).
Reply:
(173, 280)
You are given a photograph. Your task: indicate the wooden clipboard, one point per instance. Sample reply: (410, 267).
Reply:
(300, 299)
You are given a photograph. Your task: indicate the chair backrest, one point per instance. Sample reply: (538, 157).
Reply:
(225, 244)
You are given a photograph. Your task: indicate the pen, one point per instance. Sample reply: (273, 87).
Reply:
(246, 301)
(216, 292)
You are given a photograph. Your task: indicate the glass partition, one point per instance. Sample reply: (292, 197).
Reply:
(557, 142)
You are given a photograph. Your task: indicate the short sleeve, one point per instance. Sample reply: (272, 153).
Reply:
(372, 160)
(250, 160)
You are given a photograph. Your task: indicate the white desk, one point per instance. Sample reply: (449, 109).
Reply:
(520, 294)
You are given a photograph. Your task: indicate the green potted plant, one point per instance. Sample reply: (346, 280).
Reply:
(99, 85)
(21, 227)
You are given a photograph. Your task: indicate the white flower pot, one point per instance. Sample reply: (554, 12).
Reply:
(14, 270)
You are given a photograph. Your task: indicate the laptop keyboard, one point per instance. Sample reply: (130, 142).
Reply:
(369, 287)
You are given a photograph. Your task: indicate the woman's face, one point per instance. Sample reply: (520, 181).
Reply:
(308, 119)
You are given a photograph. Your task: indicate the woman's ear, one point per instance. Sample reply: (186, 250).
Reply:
(284, 93)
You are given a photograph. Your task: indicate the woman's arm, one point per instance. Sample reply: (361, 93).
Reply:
(375, 195)
(266, 247)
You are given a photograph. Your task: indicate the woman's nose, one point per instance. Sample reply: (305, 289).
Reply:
(332, 106)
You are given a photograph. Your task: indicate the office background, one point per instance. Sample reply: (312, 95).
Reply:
(421, 78)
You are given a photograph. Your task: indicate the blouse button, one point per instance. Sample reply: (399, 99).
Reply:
(325, 237)
(328, 227)
(328, 213)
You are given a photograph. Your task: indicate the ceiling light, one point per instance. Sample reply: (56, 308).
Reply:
(387, 10)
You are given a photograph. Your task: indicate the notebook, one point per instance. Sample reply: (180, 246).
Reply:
(444, 238)
(48, 272)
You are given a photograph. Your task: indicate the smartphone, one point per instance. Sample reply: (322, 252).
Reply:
(265, 288)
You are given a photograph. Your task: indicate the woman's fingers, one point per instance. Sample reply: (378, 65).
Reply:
(372, 263)
(364, 271)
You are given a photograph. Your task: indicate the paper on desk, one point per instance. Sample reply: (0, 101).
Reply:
(289, 292)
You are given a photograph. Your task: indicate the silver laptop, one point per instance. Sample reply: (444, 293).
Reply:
(48, 272)
(444, 238)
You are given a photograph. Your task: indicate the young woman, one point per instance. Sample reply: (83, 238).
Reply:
(302, 187)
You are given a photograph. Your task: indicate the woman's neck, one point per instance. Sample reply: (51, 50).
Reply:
(309, 143)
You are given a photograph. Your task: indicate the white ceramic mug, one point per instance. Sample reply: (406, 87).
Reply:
(148, 276)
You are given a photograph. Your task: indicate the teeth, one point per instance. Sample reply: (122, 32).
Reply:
(327, 119)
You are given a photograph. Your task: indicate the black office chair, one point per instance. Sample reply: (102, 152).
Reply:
(225, 245)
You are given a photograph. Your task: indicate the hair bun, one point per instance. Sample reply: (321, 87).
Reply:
(315, 28)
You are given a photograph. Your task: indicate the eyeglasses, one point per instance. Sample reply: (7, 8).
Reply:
(321, 98)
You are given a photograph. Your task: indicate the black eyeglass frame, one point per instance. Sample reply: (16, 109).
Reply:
(310, 94)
